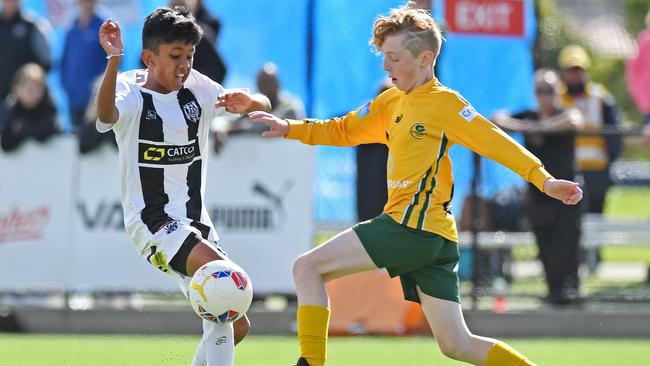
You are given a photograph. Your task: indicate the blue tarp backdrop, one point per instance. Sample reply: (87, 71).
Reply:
(321, 49)
(493, 73)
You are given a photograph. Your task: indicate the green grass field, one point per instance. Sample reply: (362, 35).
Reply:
(55, 350)
(78, 350)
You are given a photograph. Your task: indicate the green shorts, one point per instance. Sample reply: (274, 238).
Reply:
(418, 257)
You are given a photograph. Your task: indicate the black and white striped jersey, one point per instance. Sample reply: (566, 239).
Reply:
(162, 141)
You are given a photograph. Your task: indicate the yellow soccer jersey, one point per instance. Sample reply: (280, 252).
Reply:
(419, 128)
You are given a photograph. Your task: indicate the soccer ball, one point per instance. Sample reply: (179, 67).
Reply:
(220, 291)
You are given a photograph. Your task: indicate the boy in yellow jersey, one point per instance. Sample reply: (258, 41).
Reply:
(415, 238)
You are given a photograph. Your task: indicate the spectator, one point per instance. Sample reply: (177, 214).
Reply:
(372, 192)
(30, 109)
(550, 135)
(207, 59)
(83, 60)
(638, 78)
(594, 153)
(284, 104)
(89, 138)
(23, 40)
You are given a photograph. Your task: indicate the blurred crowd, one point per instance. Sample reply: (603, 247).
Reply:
(28, 111)
(574, 130)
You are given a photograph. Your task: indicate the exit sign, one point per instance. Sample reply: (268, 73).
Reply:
(489, 17)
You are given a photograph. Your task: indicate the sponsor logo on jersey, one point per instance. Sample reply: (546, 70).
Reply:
(191, 111)
(418, 130)
(468, 113)
(140, 77)
(154, 154)
(396, 183)
(221, 340)
(170, 227)
(168, 155)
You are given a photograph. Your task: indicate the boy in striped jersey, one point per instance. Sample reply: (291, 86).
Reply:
(161, 119)
(415, 238)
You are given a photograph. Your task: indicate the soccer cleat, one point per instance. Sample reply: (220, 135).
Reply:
(302, 362)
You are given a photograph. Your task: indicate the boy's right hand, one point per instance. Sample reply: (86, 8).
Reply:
(278, 127)
(110, 37)
(564, 190)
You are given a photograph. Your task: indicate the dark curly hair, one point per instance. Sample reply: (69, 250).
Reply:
(165, 25)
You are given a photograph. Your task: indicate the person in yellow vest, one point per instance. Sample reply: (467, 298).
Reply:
(550, 132)
(416, 237)
(594, 153)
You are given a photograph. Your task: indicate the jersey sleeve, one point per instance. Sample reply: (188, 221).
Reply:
(463, 125)
(126, 102)
(365, 125)
(208, 92)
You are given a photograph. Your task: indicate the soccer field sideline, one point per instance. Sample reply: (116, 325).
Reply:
(55, 350)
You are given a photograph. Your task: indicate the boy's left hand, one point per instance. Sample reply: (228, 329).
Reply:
(235, 100)
(566, 191)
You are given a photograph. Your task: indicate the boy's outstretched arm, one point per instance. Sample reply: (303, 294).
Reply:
(110, 38)
(259, 102)
(277, 127)
(471, 130)
(239, 101)
(362, 126)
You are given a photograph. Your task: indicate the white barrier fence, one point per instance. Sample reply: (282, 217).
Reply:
(61, 218)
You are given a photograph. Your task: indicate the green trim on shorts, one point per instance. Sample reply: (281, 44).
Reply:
(418, 257)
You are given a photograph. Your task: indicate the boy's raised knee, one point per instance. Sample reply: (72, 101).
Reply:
(302, 265)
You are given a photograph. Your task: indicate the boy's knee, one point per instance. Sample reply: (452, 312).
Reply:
(302, 265)
(450, 350)
(240, 329)
(454, 349)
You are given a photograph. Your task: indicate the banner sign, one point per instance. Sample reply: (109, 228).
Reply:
(36, 195)
(61, 220)
(260, 196)
(489, 17)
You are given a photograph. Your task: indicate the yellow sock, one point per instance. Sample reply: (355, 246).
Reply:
(503, 355)
(313, 322)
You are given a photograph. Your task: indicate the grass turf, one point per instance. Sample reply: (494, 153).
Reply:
(55, 350)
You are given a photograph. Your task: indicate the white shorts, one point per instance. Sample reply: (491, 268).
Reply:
(167, 242)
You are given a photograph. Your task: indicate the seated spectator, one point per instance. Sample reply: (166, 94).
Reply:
(284, 104)
(89, 138)
(30, 109)
(207, 59)
(24, 40)
(83, 60)
(550, 135)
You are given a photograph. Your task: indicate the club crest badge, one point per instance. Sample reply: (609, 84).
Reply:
(191, 111)
(151, 115)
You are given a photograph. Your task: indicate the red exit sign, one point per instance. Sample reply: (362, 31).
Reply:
(490, 17)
